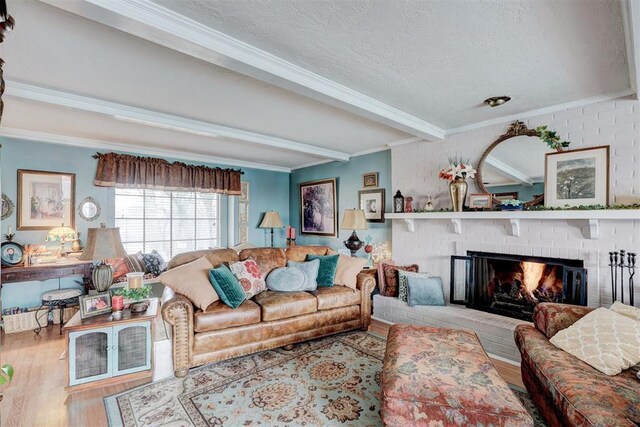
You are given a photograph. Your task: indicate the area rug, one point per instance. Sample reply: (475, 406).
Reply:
(330, 381)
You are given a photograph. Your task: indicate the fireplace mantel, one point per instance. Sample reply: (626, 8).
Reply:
(593, 218)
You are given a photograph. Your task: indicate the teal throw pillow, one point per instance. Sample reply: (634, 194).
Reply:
(327, 270)
(423, 289)
(287, 279)
(310, 270)
(227, 286)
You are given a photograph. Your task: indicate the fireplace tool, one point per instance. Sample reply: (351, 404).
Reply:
(619, 261)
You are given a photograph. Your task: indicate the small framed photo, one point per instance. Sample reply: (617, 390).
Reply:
(510, 195)
(481, 201)
(372, 203)
(94, 305)
(370, 180)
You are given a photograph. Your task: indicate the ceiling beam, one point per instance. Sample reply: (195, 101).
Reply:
(509, 172)
(165, 27)
(631, 24)
(161, 120)
(31, 135)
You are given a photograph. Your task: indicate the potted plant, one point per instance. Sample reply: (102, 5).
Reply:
(6, 374)
(137, 297)
(511, 205)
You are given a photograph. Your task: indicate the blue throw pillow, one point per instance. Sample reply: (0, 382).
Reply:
(310, 270)
(227, 286)
(287, 279)
(422, 289)
(327, 270)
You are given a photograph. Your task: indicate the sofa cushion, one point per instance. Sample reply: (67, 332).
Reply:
(288, 279)
(310, 270)
(299, 253)
(391, 277)
(192, 281)
(347, 270)
(267, 258)
(216, 257)
(550, 318)
(336, 296)
(280, 305)
(250, 277)
(220, 316)
(327, 270)
(227, 286)
(626, 310)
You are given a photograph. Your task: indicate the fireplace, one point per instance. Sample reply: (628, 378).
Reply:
(512, 285)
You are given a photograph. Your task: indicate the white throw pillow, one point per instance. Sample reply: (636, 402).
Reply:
(626, 310)
(347, 271)
(606, 340)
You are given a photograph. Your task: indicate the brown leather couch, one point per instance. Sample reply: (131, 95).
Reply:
(268, 320)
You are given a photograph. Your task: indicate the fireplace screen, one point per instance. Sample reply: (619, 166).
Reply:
(512, 285)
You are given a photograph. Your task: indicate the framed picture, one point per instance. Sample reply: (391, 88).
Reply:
(512, 195)
(577, 177)
(244, 191)
(45, 199)
(11, 254)
(318, 208)
(7, 206)
(480, 201)
(372, 203)
(370, 179)
(243, 234)
(94, 305)
(243, 212)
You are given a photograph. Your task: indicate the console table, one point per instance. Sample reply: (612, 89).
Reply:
(47, 271)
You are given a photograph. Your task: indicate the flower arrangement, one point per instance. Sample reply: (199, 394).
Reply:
(512, 205)
(459, 167)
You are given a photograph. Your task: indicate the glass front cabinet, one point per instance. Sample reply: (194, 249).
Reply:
(98, 354)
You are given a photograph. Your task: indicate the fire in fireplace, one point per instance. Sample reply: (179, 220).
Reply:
(512, 285)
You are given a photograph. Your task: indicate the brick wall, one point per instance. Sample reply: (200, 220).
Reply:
(415, 168)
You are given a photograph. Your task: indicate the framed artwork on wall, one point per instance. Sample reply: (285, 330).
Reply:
(370, 180)
(45, 199)
(372, 203)
(244, 191)
(318, 208)
(577, 177)
(7, 207)
(480, 201)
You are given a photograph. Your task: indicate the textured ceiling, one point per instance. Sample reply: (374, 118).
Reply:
(439, 59)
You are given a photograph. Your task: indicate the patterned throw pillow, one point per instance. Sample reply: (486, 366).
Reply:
(249, 275)
(135, 263)
(403, 287)
(154, 263)
(119, 265)
(391, 277)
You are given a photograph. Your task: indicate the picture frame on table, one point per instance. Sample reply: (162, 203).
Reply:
(319, 208)
(45, 199)
(510, 195)
(11, 254)
(577, 177)
(95, 305)
(370, 180)
(372, 203)
(481, 201)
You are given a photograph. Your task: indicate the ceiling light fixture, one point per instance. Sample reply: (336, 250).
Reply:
(164, 126)
(496, 101)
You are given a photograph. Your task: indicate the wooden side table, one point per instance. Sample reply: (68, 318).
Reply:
(102, 350)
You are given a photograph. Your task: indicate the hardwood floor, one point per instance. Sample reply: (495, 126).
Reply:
(36, 397)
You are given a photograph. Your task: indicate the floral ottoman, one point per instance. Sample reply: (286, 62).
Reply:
(443, 377)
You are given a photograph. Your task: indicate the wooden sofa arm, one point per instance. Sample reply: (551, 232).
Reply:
(551, 318)
(365, 284)
(177, 310)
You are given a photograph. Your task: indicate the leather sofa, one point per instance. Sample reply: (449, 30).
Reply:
(567, 391)
(268, 320)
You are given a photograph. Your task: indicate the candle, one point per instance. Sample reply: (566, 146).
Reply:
(117, 302)
(293, 233)
(9, 230)
(134, 280)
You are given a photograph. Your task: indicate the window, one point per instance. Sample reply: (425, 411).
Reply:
(169, 222)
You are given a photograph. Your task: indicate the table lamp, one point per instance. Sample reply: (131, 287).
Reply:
(353, 219)
(271, 220)
(61, 234)
(103, 243)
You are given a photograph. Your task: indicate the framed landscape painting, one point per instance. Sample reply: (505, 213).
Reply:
(318, 208)
(577, 177)
(45, 199)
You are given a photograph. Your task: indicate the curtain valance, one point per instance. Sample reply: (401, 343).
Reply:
(126, 171)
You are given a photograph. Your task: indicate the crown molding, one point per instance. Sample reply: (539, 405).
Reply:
(540, 111)
(161, 120)
(631, 24)
(308, 165)
(31, 135)
(404, 141)
(165, 27)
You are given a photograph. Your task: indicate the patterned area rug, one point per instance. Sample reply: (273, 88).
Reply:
(330, 381)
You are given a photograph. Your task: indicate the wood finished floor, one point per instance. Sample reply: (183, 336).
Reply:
(36, 397)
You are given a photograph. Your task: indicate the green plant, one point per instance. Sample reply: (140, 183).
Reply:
(136, 294)
(551, 138)
(6, 374)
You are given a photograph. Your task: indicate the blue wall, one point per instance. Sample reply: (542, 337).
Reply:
(349, 181)
(268, 191)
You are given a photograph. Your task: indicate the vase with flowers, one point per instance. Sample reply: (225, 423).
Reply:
(456, 173)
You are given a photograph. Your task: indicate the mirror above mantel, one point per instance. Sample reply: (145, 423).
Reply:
(512, 167)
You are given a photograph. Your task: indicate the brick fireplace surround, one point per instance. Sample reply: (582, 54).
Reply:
(414, 171)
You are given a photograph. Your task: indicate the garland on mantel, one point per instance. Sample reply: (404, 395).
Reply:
(547, 208)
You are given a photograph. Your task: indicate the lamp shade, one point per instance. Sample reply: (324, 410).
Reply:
(354, 219)
(61, 234)
(271, 220)
(103, 243)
